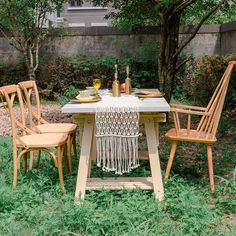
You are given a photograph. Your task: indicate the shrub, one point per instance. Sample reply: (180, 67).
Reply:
(195, 82)
(55, 76)
(200, 78)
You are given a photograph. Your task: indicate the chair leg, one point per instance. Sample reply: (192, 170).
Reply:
(210, 167)
(15, 167)
(38, 159)
(60, 151)
(25, 163)
(31, 160)
(171, 158)
(66, 157)
(68, 154)
(74, 146)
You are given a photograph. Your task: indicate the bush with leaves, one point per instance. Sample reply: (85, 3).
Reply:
(201, 77)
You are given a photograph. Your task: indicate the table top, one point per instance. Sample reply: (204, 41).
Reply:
(144, 105)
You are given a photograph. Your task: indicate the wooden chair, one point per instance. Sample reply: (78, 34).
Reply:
(40, 125)
(30, 141)
(207, 127)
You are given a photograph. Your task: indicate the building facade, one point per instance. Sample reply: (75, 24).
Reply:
(85, 15)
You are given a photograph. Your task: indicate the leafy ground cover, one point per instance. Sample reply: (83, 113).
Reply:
(38, 207)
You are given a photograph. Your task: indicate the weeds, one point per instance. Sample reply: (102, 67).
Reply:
(38, 207)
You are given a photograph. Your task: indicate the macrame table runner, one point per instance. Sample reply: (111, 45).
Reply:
(117, 131)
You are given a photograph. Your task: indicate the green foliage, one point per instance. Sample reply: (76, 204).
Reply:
(132, 14)
(195, 13)
(208, 72)
(199, 78)
(27, 17)
(2, 64)
(168, 15)
(70, 93)
(61, 79)
(180, 95)
(56, 76)
(22, 23)
(12, 73)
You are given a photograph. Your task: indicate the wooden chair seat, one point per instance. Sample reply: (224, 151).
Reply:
(56, 128)
(42, 140)
(190, 136)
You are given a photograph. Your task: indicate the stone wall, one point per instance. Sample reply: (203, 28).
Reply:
(97, 41)
(7, 53)
(228, 38)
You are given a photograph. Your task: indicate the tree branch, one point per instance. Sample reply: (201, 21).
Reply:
(184, 5)
(182, 63)
(12, 39)
(214, 9)
(36, 55)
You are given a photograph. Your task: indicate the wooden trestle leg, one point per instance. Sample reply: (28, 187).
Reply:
(154, 158)
(84, 159)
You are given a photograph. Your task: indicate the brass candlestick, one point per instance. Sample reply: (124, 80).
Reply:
(116, 84)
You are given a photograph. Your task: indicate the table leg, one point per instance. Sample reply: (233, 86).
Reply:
(84, 159)
(92, 154)
(154, 158)
(157, 133)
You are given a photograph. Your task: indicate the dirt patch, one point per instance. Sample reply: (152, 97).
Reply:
(52, 113)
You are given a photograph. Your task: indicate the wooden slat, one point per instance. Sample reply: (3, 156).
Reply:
(120, 183)
(187, 107)
(158, 117)
(180, 110)
(143, 155)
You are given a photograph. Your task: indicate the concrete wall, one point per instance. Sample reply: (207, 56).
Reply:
(100, 41)
(7, 53)
(210, 40)
(228, 38)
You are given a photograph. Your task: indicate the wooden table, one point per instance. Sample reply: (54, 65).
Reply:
(152, 111)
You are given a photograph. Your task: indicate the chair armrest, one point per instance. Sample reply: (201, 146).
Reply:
(182, 106)
(191, 112)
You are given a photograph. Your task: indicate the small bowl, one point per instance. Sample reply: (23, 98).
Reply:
(92, 90)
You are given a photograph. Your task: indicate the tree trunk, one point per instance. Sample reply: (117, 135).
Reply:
(167, 61)
(31, 58)
(31, 73)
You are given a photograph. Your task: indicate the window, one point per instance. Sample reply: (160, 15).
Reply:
(99, 24)
(76, 24)
(75, 3)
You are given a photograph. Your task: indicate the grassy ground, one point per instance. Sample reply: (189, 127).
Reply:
(38, 207)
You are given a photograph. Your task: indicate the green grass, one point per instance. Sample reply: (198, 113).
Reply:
(38, 207)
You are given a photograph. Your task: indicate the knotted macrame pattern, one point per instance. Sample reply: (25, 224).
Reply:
(117, 131)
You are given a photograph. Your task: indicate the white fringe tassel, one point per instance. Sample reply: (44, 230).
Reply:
(117, 134)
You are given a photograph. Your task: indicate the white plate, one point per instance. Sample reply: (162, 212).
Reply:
(85, 98)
